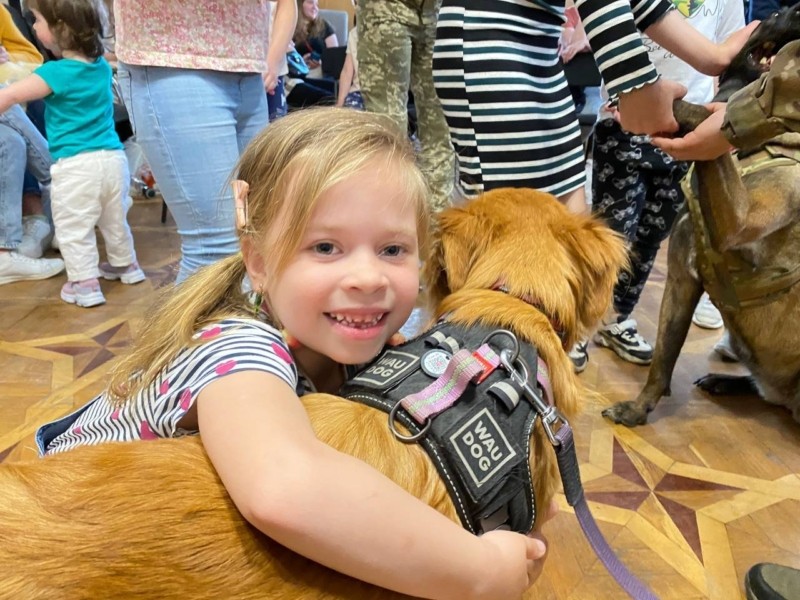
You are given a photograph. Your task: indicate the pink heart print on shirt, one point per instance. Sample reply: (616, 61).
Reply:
(225, 367)
(186, 399)
(164, 387)
(145, 432)
(77, 430)
(281, 352)
(115, 414)
(210, 333)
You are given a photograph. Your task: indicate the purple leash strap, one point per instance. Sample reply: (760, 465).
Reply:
(573, 490)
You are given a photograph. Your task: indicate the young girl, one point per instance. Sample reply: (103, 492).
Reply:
(90, 176)
(332, 222)
(311, 35)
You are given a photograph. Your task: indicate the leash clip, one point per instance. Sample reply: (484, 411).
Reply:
(549, 414)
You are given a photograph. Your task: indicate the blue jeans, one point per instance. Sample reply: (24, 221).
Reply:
(21, 147)
(192, 125)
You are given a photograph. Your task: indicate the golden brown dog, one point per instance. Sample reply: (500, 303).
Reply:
(152, 520)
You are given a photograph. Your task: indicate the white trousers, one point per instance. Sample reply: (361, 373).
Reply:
(92, 189)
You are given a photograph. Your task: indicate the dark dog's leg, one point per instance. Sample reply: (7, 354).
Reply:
(718, 384)
(681, 293)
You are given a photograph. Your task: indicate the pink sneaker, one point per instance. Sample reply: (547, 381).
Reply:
(85, 293)
(128, 275)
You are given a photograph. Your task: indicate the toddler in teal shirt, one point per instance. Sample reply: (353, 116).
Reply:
(90, 178)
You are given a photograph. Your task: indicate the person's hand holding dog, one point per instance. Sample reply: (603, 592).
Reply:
(648, 109)
(706, 142)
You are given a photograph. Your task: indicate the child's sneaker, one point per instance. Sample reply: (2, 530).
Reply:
(83, 293)
(579, 355)
(128, 275)
(724, 348)
(16, 267)
(36, 236)
(706, 314)
(624, 339)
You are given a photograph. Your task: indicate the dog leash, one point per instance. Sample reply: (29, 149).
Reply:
(564, 446)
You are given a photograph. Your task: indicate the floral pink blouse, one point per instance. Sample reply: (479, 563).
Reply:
(220, 35)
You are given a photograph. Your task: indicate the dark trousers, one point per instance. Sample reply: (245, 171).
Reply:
(636, 190)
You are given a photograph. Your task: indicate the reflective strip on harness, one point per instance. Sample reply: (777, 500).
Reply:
(440, 395)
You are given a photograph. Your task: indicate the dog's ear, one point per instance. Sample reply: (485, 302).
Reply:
(600, 254)
(459, 237)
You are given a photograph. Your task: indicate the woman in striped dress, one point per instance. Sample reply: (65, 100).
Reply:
(505, 96)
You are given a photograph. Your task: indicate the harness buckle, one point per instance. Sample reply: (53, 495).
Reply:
(549, 414)
(406, 439)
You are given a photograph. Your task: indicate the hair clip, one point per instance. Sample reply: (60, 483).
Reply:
(240, 191)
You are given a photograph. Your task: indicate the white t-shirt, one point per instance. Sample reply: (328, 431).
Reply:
(716, 20)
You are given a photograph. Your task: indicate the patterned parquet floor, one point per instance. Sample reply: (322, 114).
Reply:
(689, 501)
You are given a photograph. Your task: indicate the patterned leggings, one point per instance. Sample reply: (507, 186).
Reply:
(636, 189)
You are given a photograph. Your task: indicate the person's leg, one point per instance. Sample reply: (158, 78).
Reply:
(12, 157)
(619, 193)
(253, 113)
(437, 159)
(186, 122)
(384, 64)
(115, 203)
(76, 210)
(276, 101)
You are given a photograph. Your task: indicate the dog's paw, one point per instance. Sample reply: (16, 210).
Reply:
(629, 414)
(718, 384)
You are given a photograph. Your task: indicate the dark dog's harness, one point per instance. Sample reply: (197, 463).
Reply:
(728, 276)
(470, 396)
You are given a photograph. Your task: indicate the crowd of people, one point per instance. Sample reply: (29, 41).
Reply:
(309, 263)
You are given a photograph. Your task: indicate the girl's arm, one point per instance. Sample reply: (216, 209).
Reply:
(674, 33)
(30, 88)
(333, 508)
(280, 38)
(331, 41)
(345, 79)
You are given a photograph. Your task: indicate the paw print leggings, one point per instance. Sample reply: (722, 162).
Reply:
(636, 190)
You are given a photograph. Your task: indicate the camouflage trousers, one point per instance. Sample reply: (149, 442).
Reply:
(394, 57)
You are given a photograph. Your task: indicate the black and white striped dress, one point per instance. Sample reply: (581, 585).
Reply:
(502, 87)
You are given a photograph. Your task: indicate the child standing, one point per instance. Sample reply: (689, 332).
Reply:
(349, 88)
(90, 177)
(332, 223)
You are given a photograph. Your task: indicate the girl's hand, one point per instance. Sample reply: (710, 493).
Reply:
(706, 142)
(312, 64)
(514, 562)
(648, 109)
(727, 50)
(270, 80)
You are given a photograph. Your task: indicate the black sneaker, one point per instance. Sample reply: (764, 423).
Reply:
(768, 581)
(624, 339)
(579, 355)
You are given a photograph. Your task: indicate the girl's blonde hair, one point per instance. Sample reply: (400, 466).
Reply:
(288, 166)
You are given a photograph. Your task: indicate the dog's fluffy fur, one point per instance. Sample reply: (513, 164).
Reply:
(152, 519)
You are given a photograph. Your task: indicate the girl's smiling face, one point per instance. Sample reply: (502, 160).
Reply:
(355, 277)
(310, 9)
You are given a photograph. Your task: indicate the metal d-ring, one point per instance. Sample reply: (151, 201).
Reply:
(406, 439)
(509, 334)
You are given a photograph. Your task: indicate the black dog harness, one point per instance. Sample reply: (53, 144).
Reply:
(448, 388)
(471, 397)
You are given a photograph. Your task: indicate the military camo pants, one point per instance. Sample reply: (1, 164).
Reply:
(393, 57)
(636, 190)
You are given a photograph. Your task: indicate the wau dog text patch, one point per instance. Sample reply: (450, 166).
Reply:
(391, 367)
(481, 451)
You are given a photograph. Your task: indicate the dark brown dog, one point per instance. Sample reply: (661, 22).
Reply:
(152, 519)
(748, 224)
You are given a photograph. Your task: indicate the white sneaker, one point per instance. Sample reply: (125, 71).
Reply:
(725, 349)
(128, 275)
(16, 267)
(624, 339)
(36, 236)
(706, 314)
